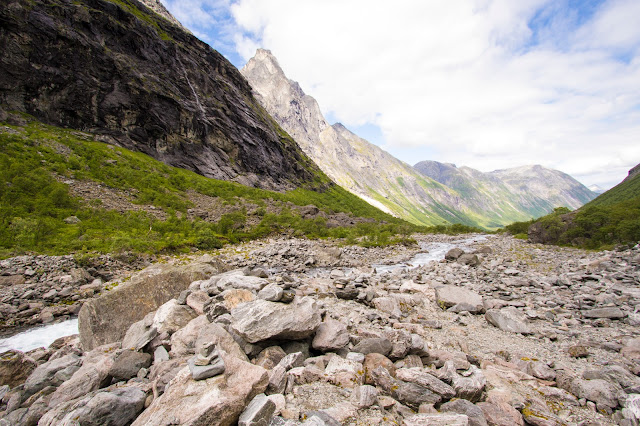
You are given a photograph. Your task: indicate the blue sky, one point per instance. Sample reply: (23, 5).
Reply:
(489, 84)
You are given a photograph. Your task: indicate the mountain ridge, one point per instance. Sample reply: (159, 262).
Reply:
(137, 80)
(375, 175)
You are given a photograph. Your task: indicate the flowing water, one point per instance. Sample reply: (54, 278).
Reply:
(433, 252)
(45, 335)
(40, 336)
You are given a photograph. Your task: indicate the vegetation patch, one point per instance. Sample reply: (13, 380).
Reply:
(39, 214)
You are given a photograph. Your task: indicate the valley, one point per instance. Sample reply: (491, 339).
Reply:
(183, 242)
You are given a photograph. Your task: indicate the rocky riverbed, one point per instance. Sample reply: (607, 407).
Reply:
(289, 332)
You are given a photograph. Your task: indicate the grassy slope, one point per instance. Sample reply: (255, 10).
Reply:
(612, 218)
(34, 204)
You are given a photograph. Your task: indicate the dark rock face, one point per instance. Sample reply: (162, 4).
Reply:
(120, 71)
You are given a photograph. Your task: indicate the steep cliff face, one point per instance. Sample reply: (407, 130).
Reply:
(514, 194)
(353, 163)
(119, 70)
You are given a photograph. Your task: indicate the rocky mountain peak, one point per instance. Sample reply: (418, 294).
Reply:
(298, 113)
(159, 8)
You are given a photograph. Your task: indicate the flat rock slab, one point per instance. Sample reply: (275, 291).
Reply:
(451, 295)
(611, 313)
(437, 420)
(508, 319)
(261, 320)
(107, 318)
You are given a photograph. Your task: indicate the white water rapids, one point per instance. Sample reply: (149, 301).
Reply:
(39, 336)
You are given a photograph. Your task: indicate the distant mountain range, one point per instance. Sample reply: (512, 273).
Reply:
(430, 193)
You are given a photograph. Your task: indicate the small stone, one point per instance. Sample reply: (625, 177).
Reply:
(578, 351)
(204, 372)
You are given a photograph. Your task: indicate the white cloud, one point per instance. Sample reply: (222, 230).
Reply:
(473, 80)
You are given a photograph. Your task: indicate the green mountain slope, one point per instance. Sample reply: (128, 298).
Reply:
(612, 218)
(62, 191)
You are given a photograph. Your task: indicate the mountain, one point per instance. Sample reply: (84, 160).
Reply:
(596, 188)
(515, 194)
(138, 80)
(355, 164)
(611, 218)
(552, 187)
(99, 99)
(431, 193)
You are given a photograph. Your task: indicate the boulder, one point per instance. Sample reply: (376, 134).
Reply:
(260, 411)
(261, 320)
(170, 317)
(380, 345)
(454, 253)
(330, 336)
(118, 407)
(451, 295)
(216, 401)
(15, 367)
(365, 396)
(462, 406)
(272, 293)
(468, 259)
(241, 282)
(93, 375)
(604, 393)
(610, 313)
(500, 413)
(409, 394)
(44, 374)
(127, 364)
(421, 377)
(469, 384)
(107, 318)
(140, 333)
(269, 357)
(437, 420)
(508, 319)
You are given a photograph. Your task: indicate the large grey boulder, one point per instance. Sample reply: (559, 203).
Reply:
(421, 377)
(451, 295)
(462, 406)
(468, 384)
(410, 394)
(508, 319)
(127, 364)
(93, 375)
(378, 345)
(261, 320)
(604, 393)
(114, 408)
(170, 317)
(44, 374)
(330, 336)
(107, 318)
(215, 401)
(260, 411)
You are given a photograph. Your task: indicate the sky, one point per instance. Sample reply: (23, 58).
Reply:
(489, 84)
